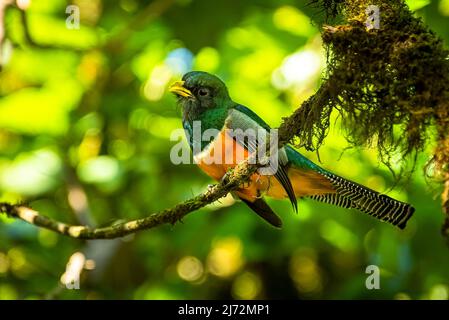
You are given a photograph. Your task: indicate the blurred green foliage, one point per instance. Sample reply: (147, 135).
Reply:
(85, 124)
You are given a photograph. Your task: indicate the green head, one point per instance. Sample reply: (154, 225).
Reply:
(203, 97)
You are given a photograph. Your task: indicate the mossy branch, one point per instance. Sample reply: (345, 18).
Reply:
(380, 80)
(172, 215)
(389, 83)
(235, 178)
(121, 229)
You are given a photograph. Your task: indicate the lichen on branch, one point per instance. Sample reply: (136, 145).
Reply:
(389, 84)
(121, 229)
(234, 179)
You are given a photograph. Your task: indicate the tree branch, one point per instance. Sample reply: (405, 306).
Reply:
(171, 215)
(234, 179)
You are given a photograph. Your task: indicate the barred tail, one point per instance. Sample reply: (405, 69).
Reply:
(352, 195)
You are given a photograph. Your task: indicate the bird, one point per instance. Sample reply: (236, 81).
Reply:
(205, 102)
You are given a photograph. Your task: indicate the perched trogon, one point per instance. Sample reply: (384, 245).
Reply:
(205, 99)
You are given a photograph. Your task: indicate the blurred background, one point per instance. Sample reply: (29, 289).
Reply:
(85, 124)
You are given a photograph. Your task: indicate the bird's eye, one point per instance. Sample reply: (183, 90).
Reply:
(203, 92)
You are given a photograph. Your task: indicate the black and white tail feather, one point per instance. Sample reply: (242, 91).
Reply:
(352, 195)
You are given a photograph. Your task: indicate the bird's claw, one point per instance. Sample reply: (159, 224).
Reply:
(226, 178)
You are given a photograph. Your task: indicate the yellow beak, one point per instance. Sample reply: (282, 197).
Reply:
(179, 89)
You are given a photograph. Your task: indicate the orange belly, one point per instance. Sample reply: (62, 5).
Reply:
(224, 153)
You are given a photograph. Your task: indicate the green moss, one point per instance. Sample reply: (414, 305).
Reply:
(390, 84)
(331, 8)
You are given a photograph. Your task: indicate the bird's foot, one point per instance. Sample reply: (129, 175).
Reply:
(226, 177)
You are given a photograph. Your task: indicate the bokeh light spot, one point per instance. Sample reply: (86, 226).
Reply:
(225, 257)
(7, 292)
(32, 173)
(208, 59)
(246, 286)
(439, 292)
(290, 19)
(305, 272)
(444, 7)
(179, 61)
(190, 268)
(154, 87)
(101, 169)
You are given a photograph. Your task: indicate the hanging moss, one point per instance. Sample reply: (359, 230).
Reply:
(331, 8)
(390, 86)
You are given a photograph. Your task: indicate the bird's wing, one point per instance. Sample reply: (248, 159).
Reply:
(240, 117)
